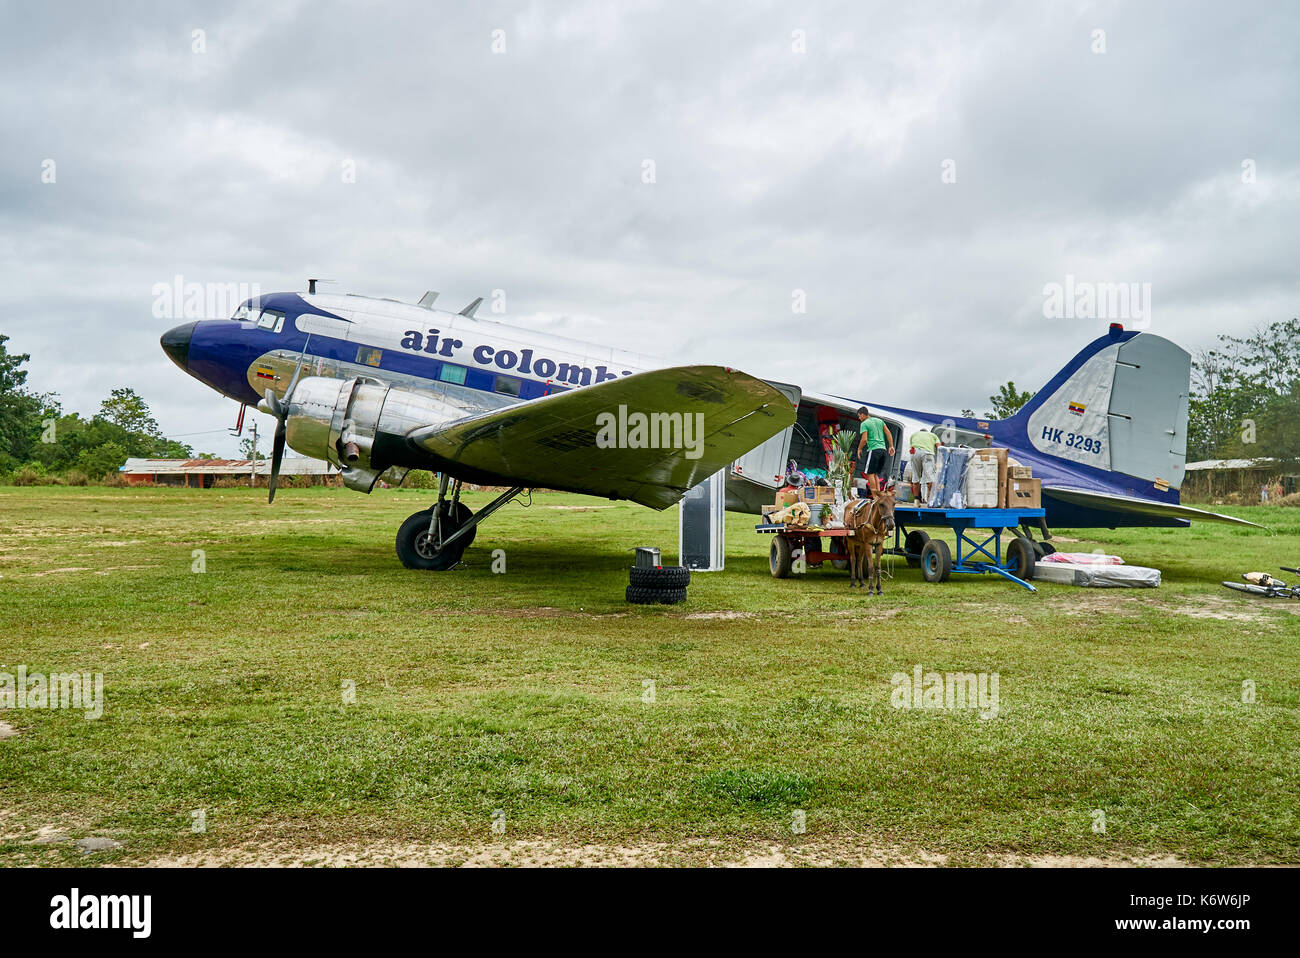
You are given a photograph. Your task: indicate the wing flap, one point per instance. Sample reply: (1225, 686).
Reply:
(1144, 507)
(648, 437)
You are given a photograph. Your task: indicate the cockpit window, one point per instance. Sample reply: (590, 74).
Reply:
(243, 313)
(272, 319)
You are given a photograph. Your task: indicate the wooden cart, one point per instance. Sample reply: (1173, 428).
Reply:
(932, 556)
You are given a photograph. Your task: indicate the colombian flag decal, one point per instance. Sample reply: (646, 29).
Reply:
(1078, 408)
(265, 372)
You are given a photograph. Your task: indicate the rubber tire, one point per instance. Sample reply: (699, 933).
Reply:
(913, 544)
(1020, 560)
(778, 558)
(664, 577)
(418, 524)
(641, 596)
(1044, 548)
(936, 561)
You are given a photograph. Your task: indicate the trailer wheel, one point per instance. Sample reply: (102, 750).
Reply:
(663, 577)
(914, 544)
(1043, 549)
(1020, 559)
(778, 559)
(641, 596)
(936, 561)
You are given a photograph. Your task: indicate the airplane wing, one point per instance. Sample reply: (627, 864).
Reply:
(1109, 502)
(699, 420)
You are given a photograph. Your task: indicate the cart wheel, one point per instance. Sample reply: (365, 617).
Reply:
(779, 558)
(913, 544)
(838, 548)
(1020, 558)
(936, 561)
(1043, 549)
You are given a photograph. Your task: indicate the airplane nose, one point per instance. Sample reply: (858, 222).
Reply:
(176, 343)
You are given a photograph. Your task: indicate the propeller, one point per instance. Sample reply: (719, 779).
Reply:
(279, 408)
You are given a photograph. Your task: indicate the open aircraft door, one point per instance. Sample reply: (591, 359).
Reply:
(765, 464)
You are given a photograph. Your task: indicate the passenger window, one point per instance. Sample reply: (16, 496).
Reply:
(369, 356)
(507, 385)
(452, 374)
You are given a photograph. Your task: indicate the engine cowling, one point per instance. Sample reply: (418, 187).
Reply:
(343, 420)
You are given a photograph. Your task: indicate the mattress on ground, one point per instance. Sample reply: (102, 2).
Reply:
(1098, 576)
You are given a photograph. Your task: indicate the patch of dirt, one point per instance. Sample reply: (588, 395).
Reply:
(732, 614)
(1227, 608)
(7, 731)
(540, 853)
(37, 575)
(577, 508)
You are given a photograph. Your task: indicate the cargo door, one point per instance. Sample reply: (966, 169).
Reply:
(765, 464)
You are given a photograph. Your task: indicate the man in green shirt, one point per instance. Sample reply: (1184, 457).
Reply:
(874, 435)
(923, 443)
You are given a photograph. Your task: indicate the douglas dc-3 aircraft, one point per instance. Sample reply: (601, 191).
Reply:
(378, 387)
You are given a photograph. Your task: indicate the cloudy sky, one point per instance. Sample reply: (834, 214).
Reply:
(916, 173)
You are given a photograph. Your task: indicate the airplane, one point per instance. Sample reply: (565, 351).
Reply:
(378, 387)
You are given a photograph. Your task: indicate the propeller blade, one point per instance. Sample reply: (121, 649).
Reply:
(277, 454)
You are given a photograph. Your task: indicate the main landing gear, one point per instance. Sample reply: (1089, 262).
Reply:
(437, 537)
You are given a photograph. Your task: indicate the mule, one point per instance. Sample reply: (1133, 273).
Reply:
(871, 521)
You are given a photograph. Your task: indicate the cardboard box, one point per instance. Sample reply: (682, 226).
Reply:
(817, 494)
(787, 497)
(1001, 456)
(1025, 494)
(1020, 472)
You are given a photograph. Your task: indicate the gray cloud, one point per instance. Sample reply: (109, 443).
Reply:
(775, 171)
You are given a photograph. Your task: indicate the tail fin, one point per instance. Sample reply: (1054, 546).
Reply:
(1119, 405)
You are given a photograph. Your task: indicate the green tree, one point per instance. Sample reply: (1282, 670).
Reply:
(1246, 395)
(126, 408)
(246, 449)
(21, 411)
(102, 459)
(1008, 401)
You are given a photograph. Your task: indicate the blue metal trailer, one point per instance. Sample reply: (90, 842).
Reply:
(911, 541)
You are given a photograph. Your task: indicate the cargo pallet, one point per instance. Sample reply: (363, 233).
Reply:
(932, 556)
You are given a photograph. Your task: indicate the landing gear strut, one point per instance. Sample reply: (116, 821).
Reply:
(436, 538)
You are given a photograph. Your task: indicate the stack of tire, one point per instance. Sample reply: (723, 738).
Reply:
(658, 585)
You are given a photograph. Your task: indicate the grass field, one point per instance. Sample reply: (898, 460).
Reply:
(523, 692)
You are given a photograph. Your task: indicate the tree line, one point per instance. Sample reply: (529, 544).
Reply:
(38, 438)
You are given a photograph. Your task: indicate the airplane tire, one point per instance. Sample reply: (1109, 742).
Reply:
(913, 544)
(936, 561)
(413, 547)
(638, 595)
(664, 577)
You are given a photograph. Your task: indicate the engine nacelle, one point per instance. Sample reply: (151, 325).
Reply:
(342, 421)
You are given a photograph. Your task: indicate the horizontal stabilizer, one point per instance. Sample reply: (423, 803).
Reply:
(1142, 507)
